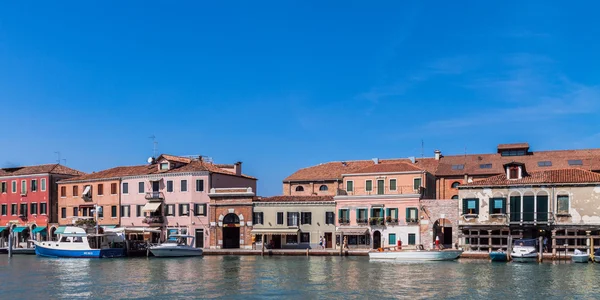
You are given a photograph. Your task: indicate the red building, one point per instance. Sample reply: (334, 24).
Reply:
(29, 199)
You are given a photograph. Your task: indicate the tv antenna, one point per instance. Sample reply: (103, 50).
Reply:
(58, 155)
(154, 143)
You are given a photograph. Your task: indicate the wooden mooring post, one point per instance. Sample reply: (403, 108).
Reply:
(509, 248)
(262, 251)
(541, 249)
(341, 243)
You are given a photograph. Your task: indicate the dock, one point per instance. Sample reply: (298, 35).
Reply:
(286, 252)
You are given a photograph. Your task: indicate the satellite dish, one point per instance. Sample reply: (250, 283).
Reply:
(150, 160)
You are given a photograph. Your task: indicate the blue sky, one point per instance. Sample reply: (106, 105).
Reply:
(282, 85)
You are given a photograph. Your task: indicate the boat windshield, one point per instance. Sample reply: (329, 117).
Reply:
(176, 241)
(526, 243)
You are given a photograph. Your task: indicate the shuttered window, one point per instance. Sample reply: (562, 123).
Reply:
(497, 205)
(280, 218)
(471, 206)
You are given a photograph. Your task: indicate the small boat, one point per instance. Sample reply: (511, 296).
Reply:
(525, 250)
(418, 255)
(597, 256)
(176, 246)
(498, 256)
(580, 257)
(76, 243)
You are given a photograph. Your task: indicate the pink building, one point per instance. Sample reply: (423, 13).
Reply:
(170, 195)
(379, 205)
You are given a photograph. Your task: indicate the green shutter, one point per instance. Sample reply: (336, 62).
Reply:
(348, 214)
(491, 205)
(477, 206)
(416, 213)
(407, 214)
(503, 205)
(387, 212)
(339, 214)
(465, 206)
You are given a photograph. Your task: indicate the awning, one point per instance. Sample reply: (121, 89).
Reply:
(38, 229)
(60, 230)
(353, 231)
(2, 229)
(20, 229)
(151, 206)
(86, 190)
(275, 231)
(108, 226)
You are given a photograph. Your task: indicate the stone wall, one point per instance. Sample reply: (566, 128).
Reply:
(435, 210)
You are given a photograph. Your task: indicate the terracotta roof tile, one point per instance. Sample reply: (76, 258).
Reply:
(513, 146)
(296, 199)
(389, 167)
(180, 159)
(556, 176)
(39, 169)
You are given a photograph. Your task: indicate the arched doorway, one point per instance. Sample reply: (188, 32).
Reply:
(376, 239)
(231, 231)
(443, 229)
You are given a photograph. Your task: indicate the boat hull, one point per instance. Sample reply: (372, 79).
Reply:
(498, 256)
(70, 253)
(176, 252)
(525, 258)
(584, 258)
(417, 255)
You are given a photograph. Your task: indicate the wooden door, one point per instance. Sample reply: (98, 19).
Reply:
(328, 240)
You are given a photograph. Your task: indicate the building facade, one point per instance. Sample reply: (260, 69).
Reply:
(230, 216)
(294, 222)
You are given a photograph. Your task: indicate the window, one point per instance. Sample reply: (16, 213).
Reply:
(4, 209)
(113, 188)
(33, 208)
(361, 215)
(393, 184)
(323, 188)
(63, 191)
(125, 211)
(34, 186)
(292, 219)
(141, 187)
(13, 209)
(497, 205)
(200, 209)
(458, 167)
(291, 239)
(575, 162)
(455, 184)
(184, 185)
(100, 189)
(392, 239)
(84, 211)
(349, 186)
(23, 187)
(24, 209)
(14, 187)
(485, 166)
(280, 218)
(75, 191)
(369, 185)
(412, 239)
(43, 182)
(344, 216)
(412, 214)
(76, 212)
(138, 210)
(562, 206)
(416, 183)
(3, 187)
(305, 237)
(100, 212)
(329, 218)
(184, 210)
(125, 188)
(199, 185)
(545, 163)
(513, 153)
(455, 197)
(306, 218)
(63, 213)
(299, 188)
(170, 210)
(164, 166)
(257, 218)
(113, 211)
(43, 208)
(170, 186)
(471, 206)
(391, 215)
(513, 172)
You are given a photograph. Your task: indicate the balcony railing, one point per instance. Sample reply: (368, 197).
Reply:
(391, 221)
(153, 220)
(412, 220)
(376, 221)
(155, 196)
(344, 221)
(400, 190)
(362, 221)
(531, 217)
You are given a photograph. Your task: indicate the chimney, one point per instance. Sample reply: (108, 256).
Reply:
(376, 160)
(438, 154)
(237, 168)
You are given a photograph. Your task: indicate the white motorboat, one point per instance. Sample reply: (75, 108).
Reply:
(176, 246)
(417, 255)
(76, 243)
(525, 251)
(580, 257)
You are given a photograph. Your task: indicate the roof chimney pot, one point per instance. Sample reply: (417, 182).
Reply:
(438, 154)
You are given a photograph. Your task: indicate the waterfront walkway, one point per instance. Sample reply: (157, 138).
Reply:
(287, 252)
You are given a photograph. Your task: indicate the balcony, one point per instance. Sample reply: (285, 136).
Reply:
(412, 220)
(376, 221)
(155, 196)
(344, 221)
(362, 221)
(154, 220)
(391, 221)
(531, 218)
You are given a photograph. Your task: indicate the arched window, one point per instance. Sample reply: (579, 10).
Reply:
(299, 188)
(323, 188)
(455, 197)
(231, 219)
(455, 184)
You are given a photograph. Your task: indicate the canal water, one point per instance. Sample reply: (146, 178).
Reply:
(248, 277)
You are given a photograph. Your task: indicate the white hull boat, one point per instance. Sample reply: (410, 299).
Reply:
(417, 255)
(524, 251)
(580, 257)
(176, 246)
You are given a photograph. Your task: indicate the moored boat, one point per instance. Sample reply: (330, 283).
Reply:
(177, 246)
(76, 243)
(580, 257)
(524, 250)
(418, 255)
(499, 256)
